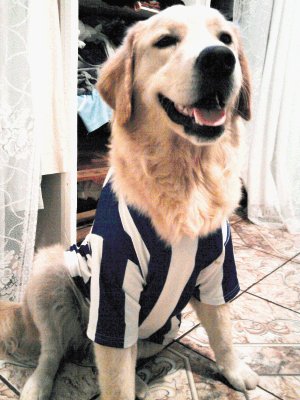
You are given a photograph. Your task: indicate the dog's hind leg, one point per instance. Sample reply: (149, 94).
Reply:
(217, 323)
(18, 336)
(57, 310)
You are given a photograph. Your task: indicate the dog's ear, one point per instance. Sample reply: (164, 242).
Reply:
(243, 104)
(116, 79)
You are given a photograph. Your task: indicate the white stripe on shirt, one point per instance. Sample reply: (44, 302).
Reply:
(97, 247)
(225, 233)
(181, 267)
(132, 287)
(210, 280)
(129, 227)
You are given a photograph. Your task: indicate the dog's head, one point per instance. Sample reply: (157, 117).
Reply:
(183, 68)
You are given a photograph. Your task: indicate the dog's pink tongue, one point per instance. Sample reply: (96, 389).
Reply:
(209, 117)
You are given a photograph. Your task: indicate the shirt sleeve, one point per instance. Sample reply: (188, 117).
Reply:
(77, 259)
(218, 283)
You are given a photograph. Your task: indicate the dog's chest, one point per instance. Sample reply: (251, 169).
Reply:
(139, 285)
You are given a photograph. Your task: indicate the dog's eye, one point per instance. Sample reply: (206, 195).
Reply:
(225, 38)
(166, 41)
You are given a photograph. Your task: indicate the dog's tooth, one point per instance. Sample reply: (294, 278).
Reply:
(182, 109)
(186, 111)
(178, 107)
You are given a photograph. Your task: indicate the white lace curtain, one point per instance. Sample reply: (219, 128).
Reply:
(33, 134)
(271, 33)
(19, 165)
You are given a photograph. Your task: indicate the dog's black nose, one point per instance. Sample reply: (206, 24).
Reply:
(216, 61)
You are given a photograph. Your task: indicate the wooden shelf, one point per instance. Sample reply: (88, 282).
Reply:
(93, 167)
(85, 216)
(92, 174)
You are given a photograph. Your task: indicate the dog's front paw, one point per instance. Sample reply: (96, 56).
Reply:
(239, 375)
(37, 389)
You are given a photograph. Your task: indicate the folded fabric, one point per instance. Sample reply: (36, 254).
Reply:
(86, 81)
(93, 111)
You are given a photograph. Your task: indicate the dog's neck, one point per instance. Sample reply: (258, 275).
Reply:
(184, 189)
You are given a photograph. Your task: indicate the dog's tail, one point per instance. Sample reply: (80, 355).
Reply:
(18, 334)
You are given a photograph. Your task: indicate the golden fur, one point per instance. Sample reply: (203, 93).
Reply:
(185, 189)
(186, 185)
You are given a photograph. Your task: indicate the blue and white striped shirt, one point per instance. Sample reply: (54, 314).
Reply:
(138, 285)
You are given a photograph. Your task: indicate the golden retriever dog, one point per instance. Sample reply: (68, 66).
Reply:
(179, 87)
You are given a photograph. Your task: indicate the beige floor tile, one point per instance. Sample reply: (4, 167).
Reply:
(281, 287)
(253, 265)
(267, 337)
(255, 321)
(6, 393)
(285, 387)
(260, 394)
(259, 321)
(180, 374)
(277, 242)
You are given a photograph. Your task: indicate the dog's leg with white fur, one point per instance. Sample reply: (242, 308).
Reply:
(116, 372)
(217, 323)
(117, 377)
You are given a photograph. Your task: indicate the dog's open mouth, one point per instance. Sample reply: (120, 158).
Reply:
(206, 118)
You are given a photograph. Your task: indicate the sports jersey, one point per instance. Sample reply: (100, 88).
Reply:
(137, 284)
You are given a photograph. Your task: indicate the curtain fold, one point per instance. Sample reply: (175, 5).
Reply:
(34, 134)
(47, 85)
(271, 173)
(19, 161)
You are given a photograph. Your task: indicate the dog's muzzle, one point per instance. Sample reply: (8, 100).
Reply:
(206, 117)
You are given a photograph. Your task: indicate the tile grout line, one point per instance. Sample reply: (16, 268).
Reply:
(261, 279)
(267, 391)
(259, 344)
(273, 302)
(186, 333)
(196, 352)
(9, 385)
(280, 375)
(298, 254)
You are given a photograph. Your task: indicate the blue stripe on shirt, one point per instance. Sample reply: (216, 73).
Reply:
(230, 283)
(159, 263)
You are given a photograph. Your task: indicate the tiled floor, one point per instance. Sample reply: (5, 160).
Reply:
(266, 331)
